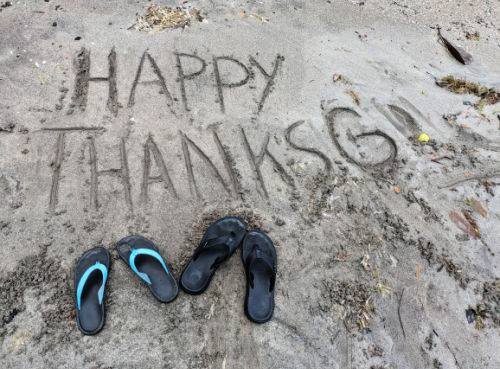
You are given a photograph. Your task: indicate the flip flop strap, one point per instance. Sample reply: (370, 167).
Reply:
(136, 252)
(257, 255)
(83, 280)
(220, 243)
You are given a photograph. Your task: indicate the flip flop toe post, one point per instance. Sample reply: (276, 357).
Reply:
(144, 259)
(91, 274)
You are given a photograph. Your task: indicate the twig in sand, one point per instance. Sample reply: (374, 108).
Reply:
(224, 361)
(399, 312)
(419, 268)
(449, 348)
(437, 160)
(471, 178)
(454, 356)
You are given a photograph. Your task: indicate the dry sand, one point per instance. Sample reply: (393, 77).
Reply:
(306, 126)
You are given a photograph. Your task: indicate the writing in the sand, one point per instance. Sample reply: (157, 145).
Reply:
(189, 67)
(209, 159)
(226, 177)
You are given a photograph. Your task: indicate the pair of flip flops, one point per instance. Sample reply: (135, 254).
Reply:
(219, 242)
(91, 274)
(258, 254)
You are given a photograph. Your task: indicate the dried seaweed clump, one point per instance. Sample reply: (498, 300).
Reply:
(488, 96)
(157, 19)
(351, 302)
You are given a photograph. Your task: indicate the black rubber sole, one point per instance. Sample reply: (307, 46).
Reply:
(195, 293)
(258, 321)
(151, 267)
(89, 258)
(259, 238)
(216, 229)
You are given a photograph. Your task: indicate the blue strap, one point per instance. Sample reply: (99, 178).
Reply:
(153, 253)
(83, 280)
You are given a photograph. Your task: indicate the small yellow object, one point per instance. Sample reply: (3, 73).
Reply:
(396, 189)
(423, 137)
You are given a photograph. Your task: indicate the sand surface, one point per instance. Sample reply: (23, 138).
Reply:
(300, 117)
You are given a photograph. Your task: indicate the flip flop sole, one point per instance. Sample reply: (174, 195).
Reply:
(259, 299)
(91, 316)
(198, 273)
(163, 285)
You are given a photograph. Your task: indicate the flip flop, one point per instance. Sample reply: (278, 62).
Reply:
(260, 260)
(218, 243)
(144, 259)
(91, 274)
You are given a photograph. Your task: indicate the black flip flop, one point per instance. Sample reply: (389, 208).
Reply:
(260, 260)
(144, 259)
(218, 243)
(91, 274)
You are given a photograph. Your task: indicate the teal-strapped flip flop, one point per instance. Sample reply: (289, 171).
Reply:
(144, 259)
(91, 274)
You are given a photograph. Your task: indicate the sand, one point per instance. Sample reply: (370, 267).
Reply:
(306, 126)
